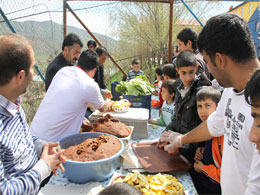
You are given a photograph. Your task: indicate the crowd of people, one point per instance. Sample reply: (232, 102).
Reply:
(219, 136)
(209, 98)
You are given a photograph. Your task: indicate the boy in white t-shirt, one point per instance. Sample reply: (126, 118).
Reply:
(63, 108)
(221, 42)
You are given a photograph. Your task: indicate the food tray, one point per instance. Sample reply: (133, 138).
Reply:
(155, 159)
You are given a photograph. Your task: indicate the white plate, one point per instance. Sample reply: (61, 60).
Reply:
(119, 107)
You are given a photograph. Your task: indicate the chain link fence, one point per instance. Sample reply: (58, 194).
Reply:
(128, 30)
(34, 20)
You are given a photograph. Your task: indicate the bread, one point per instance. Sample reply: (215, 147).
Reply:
(111, 125)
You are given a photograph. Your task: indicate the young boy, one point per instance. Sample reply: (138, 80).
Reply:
(136, 70)
(187, 40)
(159, 80)
(252, 95)
(92, 45)
(169, 73)
(208, 158)
(168, 93)
(186, 117)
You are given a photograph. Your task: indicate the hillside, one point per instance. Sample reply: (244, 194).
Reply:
(47, 36)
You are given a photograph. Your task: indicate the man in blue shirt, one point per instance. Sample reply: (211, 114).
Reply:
(25, 161)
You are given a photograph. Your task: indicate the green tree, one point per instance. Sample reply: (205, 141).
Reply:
(143, 31)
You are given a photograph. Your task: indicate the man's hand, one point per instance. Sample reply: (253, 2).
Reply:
(199, 154)
(172, 150)
(107, 107)
(198, 166)
(175, 142)
(52, 157)
(52, 151)
(161, 144)
(174, 138)
(164, 140)
(107, 94)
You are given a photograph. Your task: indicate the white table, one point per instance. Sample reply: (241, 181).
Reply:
(60, 185)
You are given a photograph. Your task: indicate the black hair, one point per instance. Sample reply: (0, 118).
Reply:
(120, 189)
(170, 71)
(169, 85)
(135, 61)
(187, 34)
(100, 50)
(208, 92)
(177, 48)
(70, 40)
(14, 56)
(88, 60)
(185, 59)
(252, 90)
(159, 71)
(92, 42)
(227, 34)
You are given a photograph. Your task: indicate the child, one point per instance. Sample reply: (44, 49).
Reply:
(186, 117)
(252, 95)
(130, 67)
(208, 158)
(159, 80)
(187, 40)
(168, 93)
(169, 73)
(136, 70)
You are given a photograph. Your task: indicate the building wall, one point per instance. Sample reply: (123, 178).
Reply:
(250, 12)
(245, 10)
(254, 26)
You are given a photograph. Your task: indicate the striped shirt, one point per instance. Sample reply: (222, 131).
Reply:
(132, 74)
(21, 171)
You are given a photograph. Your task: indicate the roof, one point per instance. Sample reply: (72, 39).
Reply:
(237, 6)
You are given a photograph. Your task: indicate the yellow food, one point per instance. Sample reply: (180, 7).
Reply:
(122, 103)
(121, 106)
(159, 184)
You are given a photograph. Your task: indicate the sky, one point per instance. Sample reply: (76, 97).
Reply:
(95, 17)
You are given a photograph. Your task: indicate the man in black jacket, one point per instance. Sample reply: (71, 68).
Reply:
(186, 117)
(99, 76)
(71, 49)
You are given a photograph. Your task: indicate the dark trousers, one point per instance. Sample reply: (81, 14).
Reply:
(200, 187)
(88, 113)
